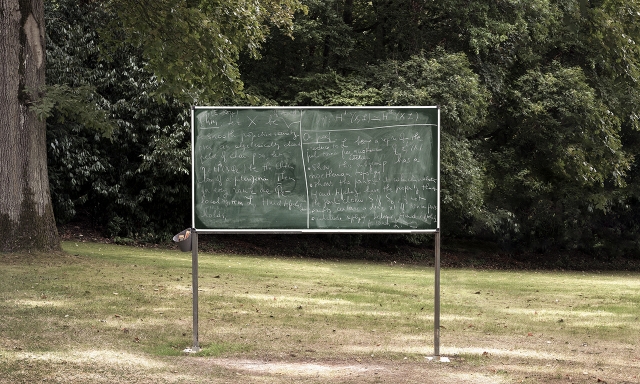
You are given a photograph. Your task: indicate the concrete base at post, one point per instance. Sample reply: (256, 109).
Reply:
(441, 359)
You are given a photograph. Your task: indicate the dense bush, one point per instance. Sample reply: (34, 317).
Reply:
(538, 102)
(125, 166)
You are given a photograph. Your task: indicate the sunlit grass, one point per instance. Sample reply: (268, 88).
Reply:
(104, 299)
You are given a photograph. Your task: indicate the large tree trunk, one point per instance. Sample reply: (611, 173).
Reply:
(26, 214)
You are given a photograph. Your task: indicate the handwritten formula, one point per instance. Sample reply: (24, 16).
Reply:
(325, 168)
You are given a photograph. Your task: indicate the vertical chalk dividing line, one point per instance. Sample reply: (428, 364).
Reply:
(304, 169)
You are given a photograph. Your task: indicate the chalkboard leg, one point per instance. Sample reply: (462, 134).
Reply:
(194, 283)
(436, 302)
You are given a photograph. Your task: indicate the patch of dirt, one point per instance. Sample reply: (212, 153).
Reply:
(328, 371)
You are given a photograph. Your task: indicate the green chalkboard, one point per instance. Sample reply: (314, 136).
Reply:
(315, 169)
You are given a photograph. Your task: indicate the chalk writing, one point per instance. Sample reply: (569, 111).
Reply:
(323, 168)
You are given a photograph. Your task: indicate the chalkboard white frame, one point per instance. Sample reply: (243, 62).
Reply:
(308, 230)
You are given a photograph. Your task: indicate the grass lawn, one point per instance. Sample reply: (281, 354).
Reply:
(104, 313)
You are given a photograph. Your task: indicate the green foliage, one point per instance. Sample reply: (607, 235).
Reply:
(540, 125)
(565, 129)
(192, 46)
(117, 109)
(332, 89)
(135, 182)
(538, 103)
(446, 80)
(439, 78)
(555, 145)
(319, 44)
(75, 104)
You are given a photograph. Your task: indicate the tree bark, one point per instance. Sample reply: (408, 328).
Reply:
(26, 213)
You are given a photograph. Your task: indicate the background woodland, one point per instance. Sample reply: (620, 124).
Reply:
(539, 104)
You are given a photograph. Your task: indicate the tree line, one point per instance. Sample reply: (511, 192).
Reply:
(539, 103)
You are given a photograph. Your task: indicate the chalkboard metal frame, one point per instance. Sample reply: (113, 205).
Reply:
(208, 230)
(196, 231)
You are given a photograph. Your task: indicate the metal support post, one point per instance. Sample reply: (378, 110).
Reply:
(194, 284)
(436, 302)
(436, 306)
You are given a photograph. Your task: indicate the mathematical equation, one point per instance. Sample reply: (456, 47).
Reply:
(318, 169)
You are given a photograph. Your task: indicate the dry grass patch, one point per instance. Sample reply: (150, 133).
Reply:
(105, 313)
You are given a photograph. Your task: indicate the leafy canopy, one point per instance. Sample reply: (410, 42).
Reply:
(192, 46)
